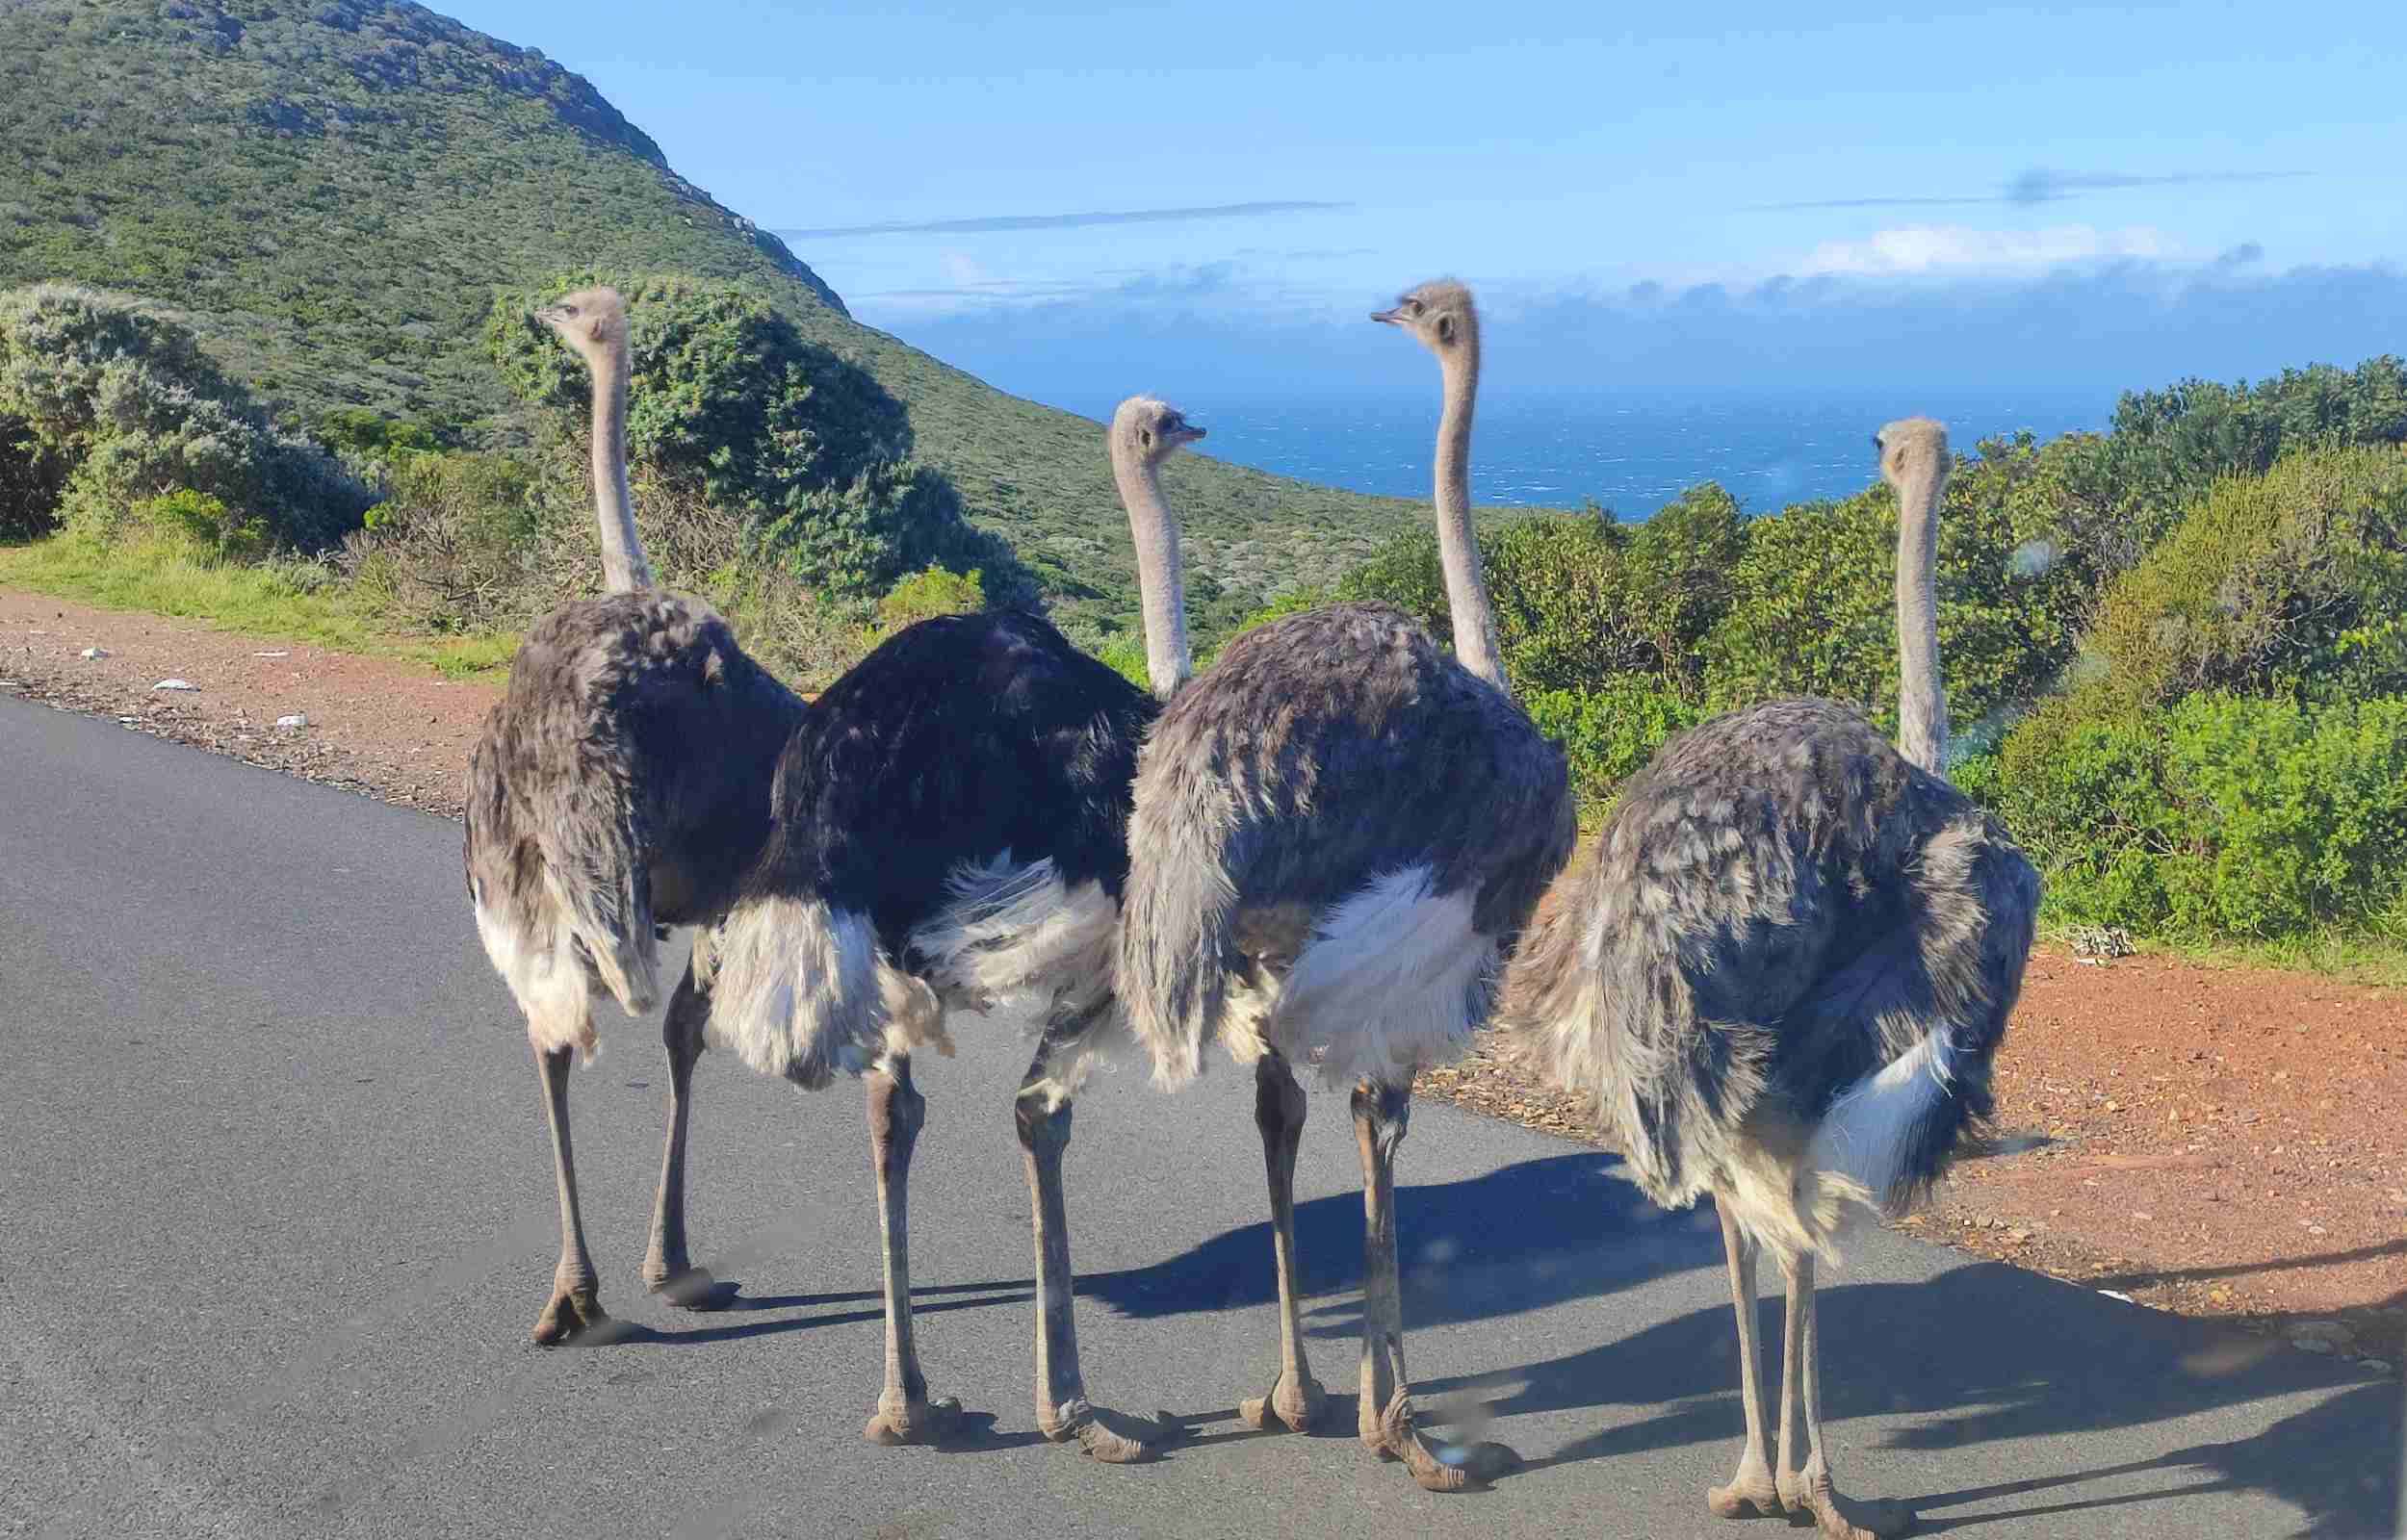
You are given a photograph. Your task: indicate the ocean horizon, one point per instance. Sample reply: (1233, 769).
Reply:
(1631, 454)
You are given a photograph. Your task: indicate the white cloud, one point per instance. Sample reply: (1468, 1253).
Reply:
(1958, 248)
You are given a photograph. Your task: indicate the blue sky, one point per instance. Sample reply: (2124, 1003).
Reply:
(1677, 196)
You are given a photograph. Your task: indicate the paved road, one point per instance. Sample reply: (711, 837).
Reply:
(278, 1217)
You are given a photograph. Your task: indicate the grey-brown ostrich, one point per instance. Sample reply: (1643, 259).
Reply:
(620, 786)
(1782, 976)
(950, 833)
(1336, 832)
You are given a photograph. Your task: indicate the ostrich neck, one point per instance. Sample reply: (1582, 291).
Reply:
(1458, 547)
(1161, 584)
(1922, 696)
(624, 567)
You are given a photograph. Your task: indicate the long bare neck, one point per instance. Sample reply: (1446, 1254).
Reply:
(1161, 579)
(1458, 547)
(624, 566)
(1922, 695)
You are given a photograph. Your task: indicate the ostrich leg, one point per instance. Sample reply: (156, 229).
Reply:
(666, 1269)
(1808, 1493)
(576, 1305)
(904, 1413)
(1751, 1491)
(1296, 1398)
(1381, 1117)
(1062, 1408)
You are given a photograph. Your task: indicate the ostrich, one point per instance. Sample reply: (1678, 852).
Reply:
(595, 820)
(1336, 832)
(950, 831)
(1782, 977)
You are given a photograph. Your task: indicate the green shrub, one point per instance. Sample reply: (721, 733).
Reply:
(2110, 498)
(33, 474)
(1677, 581)
(204, 522)
(1608, 733)
(1559, 584)
(367, 437)
(2220, 817)
(1125, 656)
(1292, 602)
(129, 401)
(1812, 608)
(1560, 587)
(1404, 572)
(454, 547)
(2290, 582)
(731, 406)
(927, 594)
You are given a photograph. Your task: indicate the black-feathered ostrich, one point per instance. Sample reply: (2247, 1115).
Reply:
(624, 782)
(950, 831)
(620, 785)
(1783, 975)
(1337, 829)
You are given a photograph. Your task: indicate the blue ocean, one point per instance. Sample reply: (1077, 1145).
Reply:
(1629, 455)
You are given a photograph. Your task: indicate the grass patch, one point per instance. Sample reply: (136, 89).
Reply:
(2375, 959)
(287, 600)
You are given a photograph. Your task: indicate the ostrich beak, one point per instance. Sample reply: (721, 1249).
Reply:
(1387, 317)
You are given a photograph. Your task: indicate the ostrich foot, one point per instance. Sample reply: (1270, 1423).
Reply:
(1440, 1467)
(899, 1419)
(575, 1310)
(1751, 1493)
(687, 1288)
(1370, 1424)
(1811, 1498)
(1295, 1402)
(1108, 1436)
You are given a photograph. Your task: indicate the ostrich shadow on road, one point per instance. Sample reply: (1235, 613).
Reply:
(1538, 1233)
(1984, 1354)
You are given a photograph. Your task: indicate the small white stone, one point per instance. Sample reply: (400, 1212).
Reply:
(175, 684)
(270, 654)
(293, 721)
(2114, 1293)
(95, 652)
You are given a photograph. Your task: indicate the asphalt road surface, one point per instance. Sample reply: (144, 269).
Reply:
(278, 1216)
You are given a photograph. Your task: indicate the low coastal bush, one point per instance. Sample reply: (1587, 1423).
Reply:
(113, 404)
(2218, 817)
(2292, 582)
(927, 594)
(1609, 734)
(732, 407)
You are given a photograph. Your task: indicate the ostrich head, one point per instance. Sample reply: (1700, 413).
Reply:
(1910, 449)
(1152, 430)
(1439, 315)
(591, 320)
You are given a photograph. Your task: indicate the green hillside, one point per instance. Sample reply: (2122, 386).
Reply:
(331, 192)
